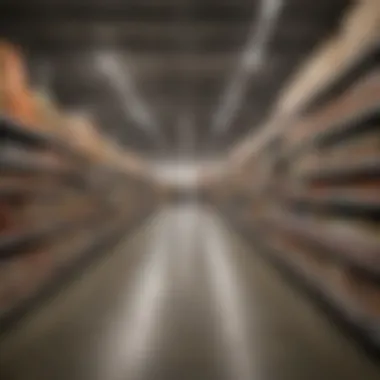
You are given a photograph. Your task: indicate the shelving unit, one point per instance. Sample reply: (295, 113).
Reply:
(60, 202)
(315, 178)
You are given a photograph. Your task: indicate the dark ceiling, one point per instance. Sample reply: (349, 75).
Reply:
(155, 73)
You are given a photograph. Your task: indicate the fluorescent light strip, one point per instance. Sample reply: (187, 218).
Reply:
(252, 59)
(122, 82)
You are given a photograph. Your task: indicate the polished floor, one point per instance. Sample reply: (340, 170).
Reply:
(182, 298)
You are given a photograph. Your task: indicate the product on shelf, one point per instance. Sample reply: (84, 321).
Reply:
(16, 99)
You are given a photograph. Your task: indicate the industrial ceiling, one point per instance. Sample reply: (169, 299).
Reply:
(168, 76)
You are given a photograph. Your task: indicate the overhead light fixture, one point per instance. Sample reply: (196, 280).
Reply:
(252, 59)
(122, 82)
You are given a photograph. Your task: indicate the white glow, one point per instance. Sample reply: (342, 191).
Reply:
(253, 57)
(227, 296)
(180, 173)
(120, 78)
(167, 268)
(133, 347)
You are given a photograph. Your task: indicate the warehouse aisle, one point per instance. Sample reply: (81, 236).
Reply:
(183, 298)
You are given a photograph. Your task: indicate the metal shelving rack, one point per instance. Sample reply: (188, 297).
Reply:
(315, 211)
(72, 213)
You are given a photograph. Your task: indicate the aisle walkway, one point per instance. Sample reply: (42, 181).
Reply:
(182, 299)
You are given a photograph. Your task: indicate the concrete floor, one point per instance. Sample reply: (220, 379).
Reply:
(183, 298)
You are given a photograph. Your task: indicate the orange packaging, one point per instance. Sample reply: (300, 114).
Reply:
(16, 99)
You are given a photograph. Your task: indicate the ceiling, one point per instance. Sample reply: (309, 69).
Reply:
(168, 75)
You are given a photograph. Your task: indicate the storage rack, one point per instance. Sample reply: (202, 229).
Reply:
(56, 210)
(316, 211)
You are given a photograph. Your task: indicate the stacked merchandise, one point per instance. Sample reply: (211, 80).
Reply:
(60, 180)
(325, 218)
(315, 200)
